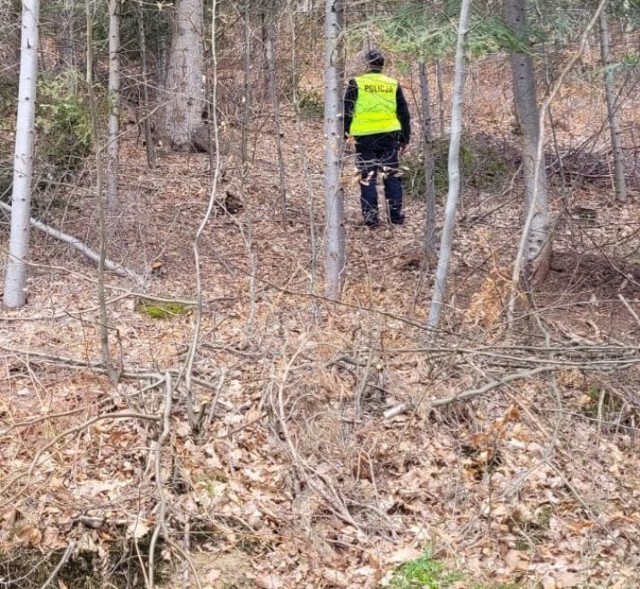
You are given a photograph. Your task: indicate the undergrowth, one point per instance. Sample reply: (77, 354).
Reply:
(427, 573)
(63, 123)
(119, 567)
(310, 104)
(482, 165)
(160, 309)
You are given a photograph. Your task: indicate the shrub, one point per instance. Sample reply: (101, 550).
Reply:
(310, 104)
(63, 125)
(482, 167)
(8, 95)
(6, 182)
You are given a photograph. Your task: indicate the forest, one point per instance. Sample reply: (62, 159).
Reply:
(214, 375)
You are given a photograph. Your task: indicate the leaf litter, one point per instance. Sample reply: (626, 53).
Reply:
(297, 479)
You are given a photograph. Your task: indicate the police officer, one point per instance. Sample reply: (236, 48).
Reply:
(377, 116)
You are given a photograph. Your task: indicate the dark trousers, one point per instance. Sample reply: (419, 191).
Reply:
(379, 154)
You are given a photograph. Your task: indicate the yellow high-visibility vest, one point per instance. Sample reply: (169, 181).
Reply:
(375, 108)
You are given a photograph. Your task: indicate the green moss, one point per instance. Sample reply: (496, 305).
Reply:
(423, 573)
(428, 573)
(160, 309)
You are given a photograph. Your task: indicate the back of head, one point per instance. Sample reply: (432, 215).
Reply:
(374, 59)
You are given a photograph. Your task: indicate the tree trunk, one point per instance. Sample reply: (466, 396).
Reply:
(146, 121)
(275, 104)
(333, 126)
(15, 286)
(98, 151)
(440, 97)
(113, 145)
(537, 253)
(612, 113)
(162, 61)
(246, 96)
(427, 150)
(446, 242)
(88, 20)
(183, 121)
(68, 41)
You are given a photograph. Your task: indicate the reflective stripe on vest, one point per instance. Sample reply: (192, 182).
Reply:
(375, 109)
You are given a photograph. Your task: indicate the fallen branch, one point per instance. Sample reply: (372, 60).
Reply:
(68, 432)
(629, 308)
(305, 472)
(141, 373)
(83, 248)
(161, 522)
(398, 409)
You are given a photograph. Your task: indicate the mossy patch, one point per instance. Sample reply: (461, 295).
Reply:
(161, 309)
(426, 572)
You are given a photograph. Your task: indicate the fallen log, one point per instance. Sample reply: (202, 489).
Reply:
(83, 248)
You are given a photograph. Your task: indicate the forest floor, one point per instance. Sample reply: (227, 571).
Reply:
(317, 444)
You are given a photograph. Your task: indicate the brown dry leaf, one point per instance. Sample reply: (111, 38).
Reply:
(138, 529)
(567, 580)
(516, 561)
(580, 526)
(269, 581)
(366, 571)
(253, 414)
(28, 535)
(335, 577)
(211, 576)
(404, 555)
(51, 538)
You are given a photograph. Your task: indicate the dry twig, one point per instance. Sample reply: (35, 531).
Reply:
(61, 563)
(161, 521)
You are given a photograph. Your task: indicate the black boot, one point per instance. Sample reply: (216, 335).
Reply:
(369, 203)
(393, 194)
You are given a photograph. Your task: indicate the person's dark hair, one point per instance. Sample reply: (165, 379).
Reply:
(374, 58)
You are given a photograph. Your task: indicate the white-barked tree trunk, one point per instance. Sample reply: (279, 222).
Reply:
(446, 241)
(620, 181)
(15, 287)
(335, 257)
(113, 145)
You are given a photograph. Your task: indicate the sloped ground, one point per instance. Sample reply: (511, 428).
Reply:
(290, 471)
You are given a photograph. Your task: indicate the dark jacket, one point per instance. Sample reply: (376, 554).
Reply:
(402, 110)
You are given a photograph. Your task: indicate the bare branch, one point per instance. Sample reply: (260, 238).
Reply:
(61, 563)
(83, 248)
